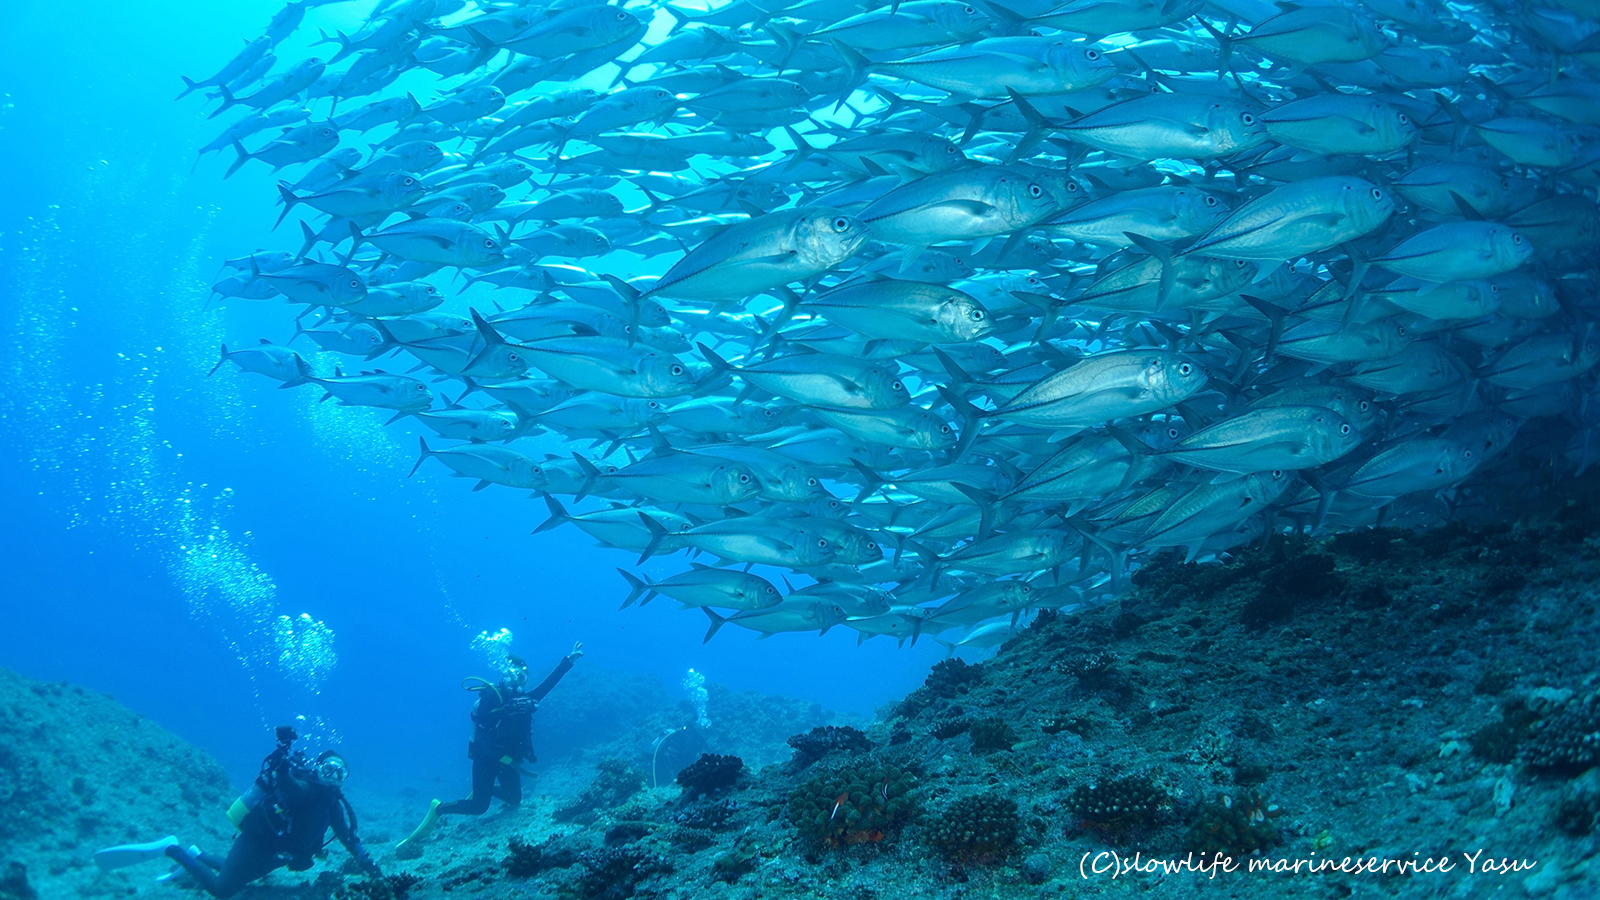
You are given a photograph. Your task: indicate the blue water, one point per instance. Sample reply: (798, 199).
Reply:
(156, 523)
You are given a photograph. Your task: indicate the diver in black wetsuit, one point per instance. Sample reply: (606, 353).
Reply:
(502, 739)
(282, 821)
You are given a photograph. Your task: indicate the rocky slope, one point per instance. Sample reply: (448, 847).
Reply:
(79, 771)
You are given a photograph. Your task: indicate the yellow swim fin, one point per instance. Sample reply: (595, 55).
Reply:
(414, 840)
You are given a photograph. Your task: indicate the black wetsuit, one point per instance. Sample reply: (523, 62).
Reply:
(502, 738)
(288, 828)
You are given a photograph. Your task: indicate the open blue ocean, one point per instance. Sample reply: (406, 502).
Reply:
(974, 444)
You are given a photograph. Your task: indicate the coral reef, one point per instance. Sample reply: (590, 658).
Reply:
(819, 742)
(951, 677)
(1567, 742)
(389, 887)
(858, 803)
(710, 774)
(982, 828)
(991, 734)
(615, 873)
(1121, 807)
(614, 782)
(14, 884)
(1235, 827)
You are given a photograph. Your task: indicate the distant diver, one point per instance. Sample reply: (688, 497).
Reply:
(502, 739)
(283, 820)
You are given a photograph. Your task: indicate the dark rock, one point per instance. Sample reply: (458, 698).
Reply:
(710, 774)
(819, 742)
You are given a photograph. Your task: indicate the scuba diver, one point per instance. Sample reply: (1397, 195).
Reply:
(502, 738)
(283, 821)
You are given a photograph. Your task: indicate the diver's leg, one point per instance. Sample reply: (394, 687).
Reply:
(510, 789)
(250, 858)
(477, 803)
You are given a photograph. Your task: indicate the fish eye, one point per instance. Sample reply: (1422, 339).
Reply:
(1363, 406)
(1277, 473)
(944, 429)
(354, 283)
(1247, 118)
(621, 16)
(1516, 238)
(1344, 429)
(677, 370)
(969, 10)
(1466, 454)
(977, 314)
(653, 405)
(822, 544)
(1072, 187)
(1401, 330)
(488, 243)
(514, 357)
(1092, 55)
(841, 224)
(897, 386)
(1035, 191)
(1185, 368)
(811, 482)
(1377, 194)
(743, 478)
(1405, 119)
(1172, 432)
(1210, 200)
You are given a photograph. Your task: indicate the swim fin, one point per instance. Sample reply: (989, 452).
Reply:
(412, 843)
(131, 854)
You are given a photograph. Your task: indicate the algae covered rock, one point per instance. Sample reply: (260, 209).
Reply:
(864, 802)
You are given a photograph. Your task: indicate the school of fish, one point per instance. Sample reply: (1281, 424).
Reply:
(911, 318)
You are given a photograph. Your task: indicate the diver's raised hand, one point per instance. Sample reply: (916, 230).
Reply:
(577, 651)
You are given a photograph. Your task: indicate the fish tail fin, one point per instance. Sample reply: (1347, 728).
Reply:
(1119, 557)
(558, 514)
(1161, 252)
(310, 239)
(591, 476)
(638, 588)
(716, 620)
(1275, 315)
(988, 505)
(657, 534)
(356, 239)
(871, 484)
(1462, 126)
(802, 149)
(857, 65)
(220, 361)
(1038, 126)
(228, 101)
(971, 417)
(718, 364)
(679, 18)
(306, 376)
(189, 87)
(287, 194)
(1009, 15)
(426, 452)
(243, 157)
